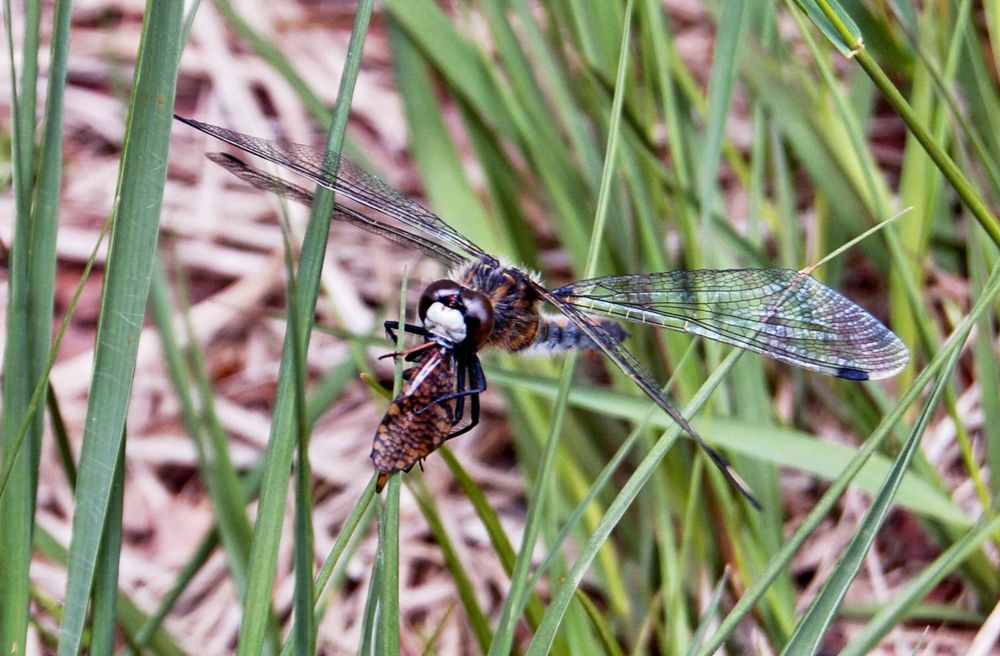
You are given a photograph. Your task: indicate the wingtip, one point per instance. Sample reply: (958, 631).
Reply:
(898, 359)
(742, 486)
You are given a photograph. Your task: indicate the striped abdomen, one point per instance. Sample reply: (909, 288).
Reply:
(557, 333)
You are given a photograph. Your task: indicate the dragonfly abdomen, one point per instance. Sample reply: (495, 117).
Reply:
(559, 334)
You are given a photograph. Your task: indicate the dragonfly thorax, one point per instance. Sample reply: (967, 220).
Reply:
(461, 315)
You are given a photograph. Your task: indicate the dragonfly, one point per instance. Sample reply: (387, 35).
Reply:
(486, 303)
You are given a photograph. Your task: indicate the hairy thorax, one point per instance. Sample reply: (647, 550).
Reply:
(515, 303)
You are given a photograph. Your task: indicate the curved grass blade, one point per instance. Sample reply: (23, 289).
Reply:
(781, 559)
(809, 633)
(889, 615)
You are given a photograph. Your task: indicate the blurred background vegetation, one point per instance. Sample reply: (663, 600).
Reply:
(179, 476)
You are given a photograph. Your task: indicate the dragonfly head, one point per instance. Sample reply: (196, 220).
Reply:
(461, 315)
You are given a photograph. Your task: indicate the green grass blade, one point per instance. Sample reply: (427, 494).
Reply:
(29, 318)
(220, 477)
(131, 620)
(629, 491)
(781, 559)
(104, 613)
(708, 616)
(133, 243)
(370, 616)
(731, 27)
(278, 457)
(816, 621)
(983, 255)
(437, 159)
(889, 615)
(850, 35)
(388, 557)
(456, 60)
(491, 521)
(463, 582)
(835, 23)
(303, 636)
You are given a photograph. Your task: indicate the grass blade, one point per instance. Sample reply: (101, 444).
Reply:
(815, 623)
(280, 449)
(781, 559)
(889, 615)
(129, 268)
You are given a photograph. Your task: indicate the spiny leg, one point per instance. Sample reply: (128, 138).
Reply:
(459, 400)
(479, 386)
(392, 326)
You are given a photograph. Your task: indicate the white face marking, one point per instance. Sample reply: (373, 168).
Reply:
(445, 322)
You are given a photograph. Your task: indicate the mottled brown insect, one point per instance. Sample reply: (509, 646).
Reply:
(783, 314)
(418, 421)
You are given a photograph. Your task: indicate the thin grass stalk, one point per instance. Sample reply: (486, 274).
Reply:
(130, 618)
(105, 603)
(342, 544)
(890, 614)
(491, 522)
(24, 349)
(982, 256)
(572, 521)
(965, 190)
(388, 519)
(387, 637)
(731, 28)
(303, 624)
(278, 457)
(463, 582)
(519, 590)
(42, 385)
(557, 608)
(217, 471)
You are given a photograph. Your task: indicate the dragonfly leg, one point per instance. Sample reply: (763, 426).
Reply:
(392, 326)
(459, 400)
(479, 384)
(475, 372)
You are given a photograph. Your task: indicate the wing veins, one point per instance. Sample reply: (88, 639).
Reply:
(350, 180)
(631, 367)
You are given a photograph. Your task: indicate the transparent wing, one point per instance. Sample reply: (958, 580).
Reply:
(783, 314)
(387, 206)
(612, 347)
(285, 189)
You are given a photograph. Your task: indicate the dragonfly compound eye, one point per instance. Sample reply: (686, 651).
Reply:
(478, 317)
(445, 292)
